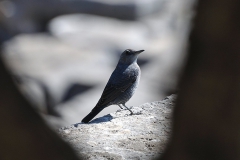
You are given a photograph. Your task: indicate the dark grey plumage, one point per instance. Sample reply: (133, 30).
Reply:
(121, 85)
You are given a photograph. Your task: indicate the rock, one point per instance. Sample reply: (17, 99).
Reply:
(127, 9)
(90, 31)
(18, 19)
(121, 136)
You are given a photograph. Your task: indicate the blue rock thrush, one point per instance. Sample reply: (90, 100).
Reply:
(121, 85)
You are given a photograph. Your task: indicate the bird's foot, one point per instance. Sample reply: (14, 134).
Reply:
(131, 112)
(120, 106)
(129, 109)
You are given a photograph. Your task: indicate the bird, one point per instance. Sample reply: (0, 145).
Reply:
(121, 85)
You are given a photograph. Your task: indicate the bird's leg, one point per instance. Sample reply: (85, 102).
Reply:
(120, 106)
(128, 109)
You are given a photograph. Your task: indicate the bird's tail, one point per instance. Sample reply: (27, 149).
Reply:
(92, 114)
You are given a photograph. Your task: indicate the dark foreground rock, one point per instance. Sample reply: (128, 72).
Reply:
(121, 136)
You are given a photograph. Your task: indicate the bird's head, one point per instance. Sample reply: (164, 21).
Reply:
(129, 56)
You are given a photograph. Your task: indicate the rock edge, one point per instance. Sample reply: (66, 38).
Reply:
(122, 136)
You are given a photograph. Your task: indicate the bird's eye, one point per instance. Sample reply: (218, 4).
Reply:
(128, 52)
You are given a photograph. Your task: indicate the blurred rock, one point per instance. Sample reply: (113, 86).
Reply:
(70, 67)
(121, 136)
(31, 16)
(121, 9)
(88, 31)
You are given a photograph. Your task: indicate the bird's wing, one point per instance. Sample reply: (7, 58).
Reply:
(115, 87)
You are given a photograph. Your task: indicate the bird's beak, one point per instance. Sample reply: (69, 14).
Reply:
(138, 52)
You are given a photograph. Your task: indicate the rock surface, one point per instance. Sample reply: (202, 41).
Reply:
(121, 136)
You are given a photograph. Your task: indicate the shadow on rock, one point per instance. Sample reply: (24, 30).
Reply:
(102, 119)
(106, 118)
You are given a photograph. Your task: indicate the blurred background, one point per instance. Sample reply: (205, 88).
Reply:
(68, 49)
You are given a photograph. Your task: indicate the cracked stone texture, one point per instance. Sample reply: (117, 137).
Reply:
(121, 136)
